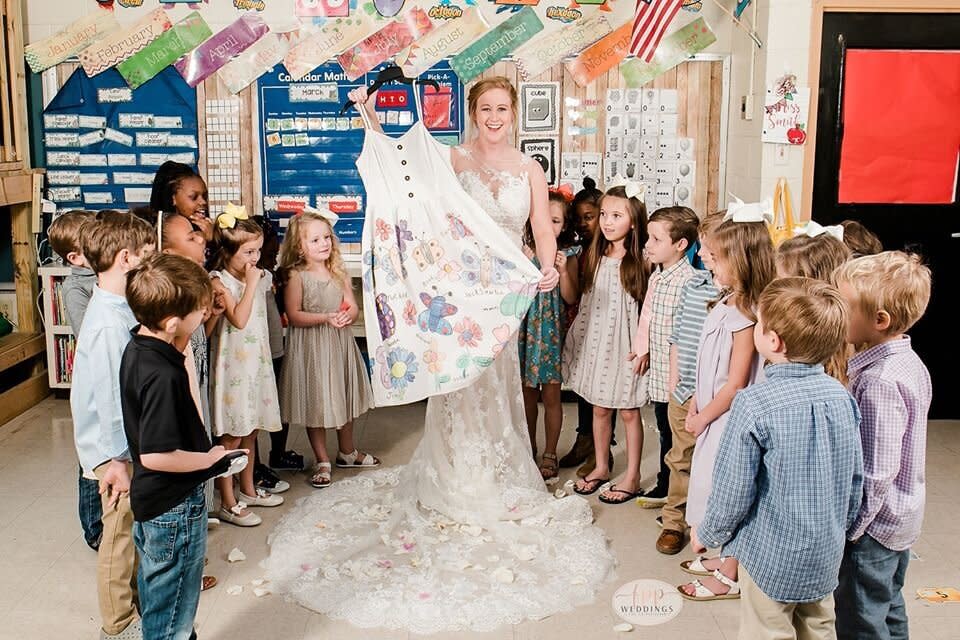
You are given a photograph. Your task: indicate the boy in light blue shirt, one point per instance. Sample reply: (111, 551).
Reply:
(788, 476)
(113, 244)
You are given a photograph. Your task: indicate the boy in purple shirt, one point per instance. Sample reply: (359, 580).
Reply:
(887, 293)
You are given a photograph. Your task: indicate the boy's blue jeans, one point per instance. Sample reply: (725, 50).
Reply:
(171, 548)
(870, 595)
(90, 510)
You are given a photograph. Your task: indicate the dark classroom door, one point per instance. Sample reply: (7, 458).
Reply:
(887, 149)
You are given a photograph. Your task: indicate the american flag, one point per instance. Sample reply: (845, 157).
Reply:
(649, 22)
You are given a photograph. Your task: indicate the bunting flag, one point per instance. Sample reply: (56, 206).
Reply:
(650, 21)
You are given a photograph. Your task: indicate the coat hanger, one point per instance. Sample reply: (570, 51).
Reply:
(392, 73)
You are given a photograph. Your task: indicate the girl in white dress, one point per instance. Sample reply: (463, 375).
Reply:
(466, 536)
(243, 389)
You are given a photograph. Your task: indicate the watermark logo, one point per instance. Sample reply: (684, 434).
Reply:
(647, 603)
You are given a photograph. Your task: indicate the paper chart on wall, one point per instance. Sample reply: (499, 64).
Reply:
(544, 151)
(539, 107)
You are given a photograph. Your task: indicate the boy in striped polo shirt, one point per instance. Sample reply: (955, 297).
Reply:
(684, 342)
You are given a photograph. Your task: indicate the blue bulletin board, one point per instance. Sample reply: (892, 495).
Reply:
(103, 142)
(309, 151)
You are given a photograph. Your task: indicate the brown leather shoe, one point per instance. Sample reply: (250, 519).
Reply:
(670, 542)
(582, 448)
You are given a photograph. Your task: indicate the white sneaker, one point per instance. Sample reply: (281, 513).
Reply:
(132, 632)
(232, 515)
(262, 499)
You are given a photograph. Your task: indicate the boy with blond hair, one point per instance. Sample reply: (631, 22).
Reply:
(64, 238)
(113, 244)
(887, 293)
(788, 475)
(172, 455)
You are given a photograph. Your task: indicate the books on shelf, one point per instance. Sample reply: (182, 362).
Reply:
(64, 348)
(58, 306)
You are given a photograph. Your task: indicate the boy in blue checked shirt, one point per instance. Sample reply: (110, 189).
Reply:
(887, 293)
(684, 343)
(788, 476)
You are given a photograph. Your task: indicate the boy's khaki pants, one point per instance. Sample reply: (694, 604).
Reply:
(678, 460)
(116, 563)
(762, 617)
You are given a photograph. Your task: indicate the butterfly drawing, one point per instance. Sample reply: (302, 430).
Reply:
(368, 271)
(518, 300)
(427, 253)
(457, 227)
(502, 335)
(388, 260)
(388, 321)
(487, 270)
(434, 317)
(403, 235)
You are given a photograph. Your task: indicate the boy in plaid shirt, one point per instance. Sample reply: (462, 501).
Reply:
(887, 293)
(788, 475)
(671, 231)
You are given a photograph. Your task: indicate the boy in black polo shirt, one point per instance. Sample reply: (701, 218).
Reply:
(172, 455)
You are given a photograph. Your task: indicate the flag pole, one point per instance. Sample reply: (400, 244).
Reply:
(750, 32)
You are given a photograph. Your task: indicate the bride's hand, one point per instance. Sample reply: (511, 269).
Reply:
(359, 96)
(550, 279)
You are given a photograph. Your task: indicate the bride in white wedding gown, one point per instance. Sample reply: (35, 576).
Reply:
(465, 536)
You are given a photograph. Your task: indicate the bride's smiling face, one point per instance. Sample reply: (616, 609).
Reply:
(493, 115)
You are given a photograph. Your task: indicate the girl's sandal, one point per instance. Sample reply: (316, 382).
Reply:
(549, 467)
(321, 475)
(357, 460)
(702, 594)
(697, 568)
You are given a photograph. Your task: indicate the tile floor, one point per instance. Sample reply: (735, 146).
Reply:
(47, 572)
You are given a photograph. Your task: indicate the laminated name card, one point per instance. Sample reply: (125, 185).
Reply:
(216, 52)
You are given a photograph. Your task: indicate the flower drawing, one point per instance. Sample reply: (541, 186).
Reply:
(434, 359)
(410, 313)
(383, 229)
(402, 367)
(468, 333)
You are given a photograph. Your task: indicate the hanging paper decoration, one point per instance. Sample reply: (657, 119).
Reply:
(321, 8)
(540, 54)
(785, 112)
(388, 41)
(442, 42)
(335, 37)
(193, 4)
(165, 50)
(71, 40)
(601, 56)
(497, 44)
(254, 62)
(674, 49)
(122, 43)
(204, 61)
(650, 22)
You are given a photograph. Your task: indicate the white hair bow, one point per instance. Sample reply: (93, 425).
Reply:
(740, 211)
(633, 188)
(324, 213)
(814, 229)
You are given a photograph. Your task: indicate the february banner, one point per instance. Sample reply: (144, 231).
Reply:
(216, 52)
(601, 56)
(442, 43)
(119, 45)
(498, 43)
(389, 41)
(672, 50)
(165, 50)
(71, 40)
(540, 54)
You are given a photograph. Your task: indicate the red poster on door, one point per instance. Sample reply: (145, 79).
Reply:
(901, 133)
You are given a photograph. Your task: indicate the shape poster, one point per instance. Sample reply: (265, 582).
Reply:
(309, 149)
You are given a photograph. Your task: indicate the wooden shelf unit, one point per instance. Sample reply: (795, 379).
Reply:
(59, 336)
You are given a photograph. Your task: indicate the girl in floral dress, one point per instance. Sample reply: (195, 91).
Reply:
(541, 334)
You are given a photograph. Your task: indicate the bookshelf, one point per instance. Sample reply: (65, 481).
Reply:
(59, 337)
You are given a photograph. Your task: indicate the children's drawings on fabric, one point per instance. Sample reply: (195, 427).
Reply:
(457, 228)
(434, 318)
(486, 270)
(427, 253)
(398, 367)
(388, 322)
(518, 300)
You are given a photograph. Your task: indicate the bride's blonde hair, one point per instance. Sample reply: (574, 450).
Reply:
(480, 88)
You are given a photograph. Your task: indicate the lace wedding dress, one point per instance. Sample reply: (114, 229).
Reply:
(465, 536)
